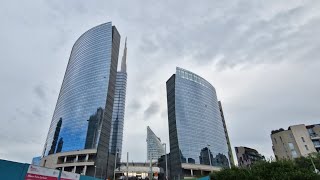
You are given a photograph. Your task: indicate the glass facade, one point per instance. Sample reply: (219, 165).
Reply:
(36, 161)
(196, 130)
(86, 90)
(155, 149)
(116, 137)
(118, 114)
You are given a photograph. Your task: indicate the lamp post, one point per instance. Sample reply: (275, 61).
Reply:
(209, 154)
(101, 172)
(150, 156)
(60, 171)
(315, 169)
(127, 165)
(115, 165)
(165, 151)
(95, 171)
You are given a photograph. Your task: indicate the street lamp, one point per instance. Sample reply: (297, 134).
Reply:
(208, 145)
(165, 151)
(95, 171)
(150, 157)
(115, 164)
(60, 171)
(315, 169)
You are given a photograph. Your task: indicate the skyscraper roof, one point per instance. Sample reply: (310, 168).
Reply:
(124, 58)
(155, 148)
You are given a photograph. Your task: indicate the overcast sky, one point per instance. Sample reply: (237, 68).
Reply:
(261, 56)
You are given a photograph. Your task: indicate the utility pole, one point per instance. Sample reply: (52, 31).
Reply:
(115, 165)
(60, 171)
(101, 172)
(165, 151)
(315, 169)
(150, 177)
(127, 165)
(209, 155)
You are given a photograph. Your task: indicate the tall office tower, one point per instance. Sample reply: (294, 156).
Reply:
(79, 134)
(247, 156)
(227, 135)
(297, 141)
(155, 149)
(198, 143)
(116, 137)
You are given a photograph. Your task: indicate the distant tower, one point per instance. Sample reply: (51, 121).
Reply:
(116, 137)
(155, 149)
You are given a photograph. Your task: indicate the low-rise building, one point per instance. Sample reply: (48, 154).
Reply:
(296, 141)
(138, 170)
(247, 156)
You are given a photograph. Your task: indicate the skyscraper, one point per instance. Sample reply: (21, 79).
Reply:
(155, 149)
(198, 142)
(79, 134)
(119, 108)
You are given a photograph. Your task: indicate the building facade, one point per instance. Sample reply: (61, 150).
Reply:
(79, 133)
(164, 165)
(227, 135)
(198, 142)
(36, 161)
(155, 148)
(116, 137)
(247, 156)
(137, 170)
(297, 141)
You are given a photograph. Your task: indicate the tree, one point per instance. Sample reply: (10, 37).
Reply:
(280, 170)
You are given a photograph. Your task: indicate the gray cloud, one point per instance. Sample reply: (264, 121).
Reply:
(261, 56)
(40, 91)
(164, 114)
(152, 110)
(134, 105)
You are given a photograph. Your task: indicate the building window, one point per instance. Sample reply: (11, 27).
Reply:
(291, 135)
(275, 140)
(294, 154)
(306, 147)
(291, 146)
(302, 139)
(280, 138)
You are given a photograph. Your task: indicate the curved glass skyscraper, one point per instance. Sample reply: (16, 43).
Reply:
(81, 123)
(196, 130)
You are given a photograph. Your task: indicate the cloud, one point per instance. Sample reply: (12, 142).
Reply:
(40, 91)
(152, 110)
(261, 56)
(134, 105)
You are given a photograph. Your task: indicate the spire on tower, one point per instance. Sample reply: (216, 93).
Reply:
(124, 58)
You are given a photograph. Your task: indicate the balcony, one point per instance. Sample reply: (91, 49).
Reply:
(82, 158)
(314, 136)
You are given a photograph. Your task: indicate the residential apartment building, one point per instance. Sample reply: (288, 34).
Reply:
(247, 156)
(297, 141)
